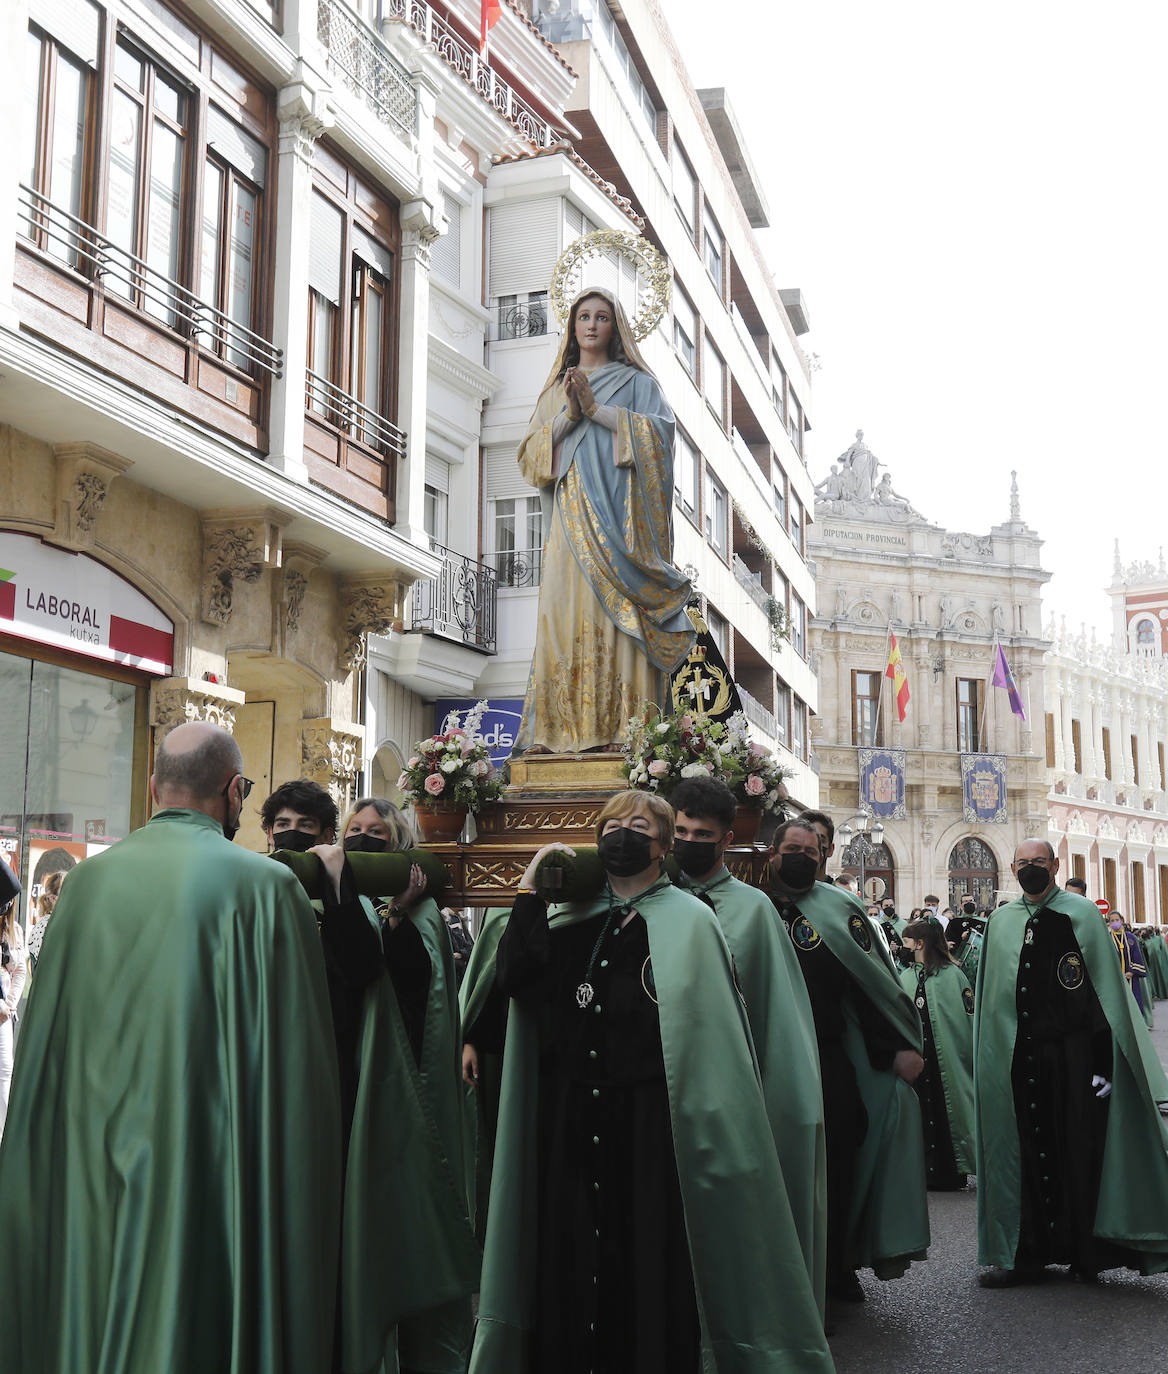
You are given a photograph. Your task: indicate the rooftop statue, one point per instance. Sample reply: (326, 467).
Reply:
(855, 488)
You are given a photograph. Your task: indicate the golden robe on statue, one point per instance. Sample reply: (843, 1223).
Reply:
(611, 619)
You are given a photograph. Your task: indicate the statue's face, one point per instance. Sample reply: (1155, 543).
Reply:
(594, 324)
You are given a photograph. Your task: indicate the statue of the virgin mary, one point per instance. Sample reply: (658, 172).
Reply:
(612, 622)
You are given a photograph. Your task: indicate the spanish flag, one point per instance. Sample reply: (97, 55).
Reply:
(895, 671)
(491, 9)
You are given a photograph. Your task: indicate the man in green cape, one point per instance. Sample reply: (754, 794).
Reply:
(170, 1172)
(777, 1005)
(1066, 1089)
(751, 1307)
(869, 1040)
(484, 1028)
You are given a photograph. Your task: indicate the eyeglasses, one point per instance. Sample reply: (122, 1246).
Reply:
(245, 790)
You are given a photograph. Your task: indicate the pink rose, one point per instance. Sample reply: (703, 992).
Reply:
(403, 782)
(479, 769)
(659, 768)
(755, 786)
(686, 723)
(435, 784)
(413, 763)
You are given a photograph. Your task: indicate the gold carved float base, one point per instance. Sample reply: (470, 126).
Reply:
(551, 798)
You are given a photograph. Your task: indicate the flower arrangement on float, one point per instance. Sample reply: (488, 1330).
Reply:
(660, 750)
(450, 774)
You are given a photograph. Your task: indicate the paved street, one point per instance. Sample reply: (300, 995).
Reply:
(937, 1319)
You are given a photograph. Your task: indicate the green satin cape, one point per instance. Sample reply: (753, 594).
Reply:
(1136, 1218)
(783, 1031)
(1158, 967)
(889, 1226)
(951, 1016)
(409, 1260)
(170, 1172)
(757, 1306)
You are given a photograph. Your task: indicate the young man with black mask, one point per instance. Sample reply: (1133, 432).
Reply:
(776, 1004)
(1066, 1088)
(869, 1039)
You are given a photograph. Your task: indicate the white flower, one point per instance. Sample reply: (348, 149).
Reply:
(696, 770)
(450, 765)
(479, 768)
(663, 727)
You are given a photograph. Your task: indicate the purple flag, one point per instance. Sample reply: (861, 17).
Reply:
(1003, 677)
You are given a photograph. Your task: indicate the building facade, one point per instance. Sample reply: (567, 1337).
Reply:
(1106, 739)
(950, 598)
(221, 378)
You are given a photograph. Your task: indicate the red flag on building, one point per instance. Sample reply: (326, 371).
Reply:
(491, 11)
(895, 671)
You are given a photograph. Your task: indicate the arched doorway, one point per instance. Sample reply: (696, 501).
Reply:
(973, 869)
(878, 864)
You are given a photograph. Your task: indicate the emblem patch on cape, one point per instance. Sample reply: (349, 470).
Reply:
(1070, 971)
(967, 999)
(804, 934)
(647, 981)
(860, 932)
(921, 1002)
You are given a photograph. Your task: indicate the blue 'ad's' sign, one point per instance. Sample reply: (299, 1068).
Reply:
(500, 723)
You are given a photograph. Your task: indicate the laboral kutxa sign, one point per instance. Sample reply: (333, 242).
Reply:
(73, 602)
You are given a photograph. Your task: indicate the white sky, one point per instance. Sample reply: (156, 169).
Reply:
(972, 199)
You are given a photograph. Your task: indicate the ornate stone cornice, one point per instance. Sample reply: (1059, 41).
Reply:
(84, 475)
(371, 603)
(237, 546)
(177, 700)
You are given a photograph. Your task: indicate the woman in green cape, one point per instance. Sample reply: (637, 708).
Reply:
(945, 1002)
(639, 1223)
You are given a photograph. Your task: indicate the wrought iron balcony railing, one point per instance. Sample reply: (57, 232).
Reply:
(461, 603)
(356, 419)
(518, 567)
(366, 66)
(526, 320)
(81, 247)
(463, 56)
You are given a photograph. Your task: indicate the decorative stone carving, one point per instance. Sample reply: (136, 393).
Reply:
(84, 475)
(855, 489)
(177, 700)
(371, 605)
(237, 545)
(330, 754)
(297, 564)
(304, 115)
(967, 545)
(1015, 504)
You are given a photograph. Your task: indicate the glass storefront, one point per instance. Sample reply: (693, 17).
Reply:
(72, 765)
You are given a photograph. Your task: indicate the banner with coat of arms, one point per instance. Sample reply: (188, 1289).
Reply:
(882, 783)
(983, 788)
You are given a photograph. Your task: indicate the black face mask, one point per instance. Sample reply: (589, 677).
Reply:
(890, 913)
(797, 871)
(1033, 879)
(696, 857)
(624, 852)
(299, 841)
(968, 908)
(366, 844)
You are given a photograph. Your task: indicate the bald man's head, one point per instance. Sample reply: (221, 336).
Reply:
(194, 764)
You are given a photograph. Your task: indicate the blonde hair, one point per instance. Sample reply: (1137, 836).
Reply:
(631, 803)
(401, 833)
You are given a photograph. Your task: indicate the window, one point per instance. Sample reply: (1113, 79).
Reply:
(796, 524)
(782, 711)
(685, 331)
(798, 626)
(866, 722)
(715, 251)
(779, 387)
(1109, 881)
(55, 144)
(1137, 887)
(351, 281)
(233, 178)
(1050, 740)
(685, 189)
(799, 729)
(1135, 757)
(780, 490)
(1146, 634)
(518, 539)
(1077, 745)
(435, 514)
(686, 475)
(446, 255)
(968, 714)
(795, 421)
(1107, 753)
(523, 315)
(716, 510)
(719, 632)
(714, 381)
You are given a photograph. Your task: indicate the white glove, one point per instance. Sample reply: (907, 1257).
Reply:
(1103, 1084)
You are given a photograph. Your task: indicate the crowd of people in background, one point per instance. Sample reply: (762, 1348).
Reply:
(625, 1117)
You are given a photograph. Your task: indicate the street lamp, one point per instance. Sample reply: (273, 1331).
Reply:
(865, 834)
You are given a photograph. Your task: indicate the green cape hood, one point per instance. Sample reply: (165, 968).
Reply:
(951, 1016)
